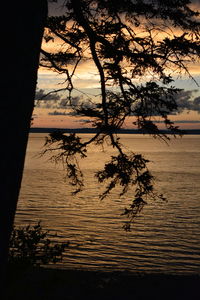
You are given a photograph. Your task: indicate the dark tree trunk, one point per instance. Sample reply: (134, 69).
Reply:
(22, 24)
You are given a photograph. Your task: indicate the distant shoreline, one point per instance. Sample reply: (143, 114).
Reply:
(93, 130)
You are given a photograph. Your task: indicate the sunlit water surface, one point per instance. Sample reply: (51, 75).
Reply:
(165, 237)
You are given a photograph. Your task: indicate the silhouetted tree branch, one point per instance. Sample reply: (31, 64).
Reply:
(138, 47)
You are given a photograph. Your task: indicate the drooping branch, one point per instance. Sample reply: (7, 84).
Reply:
(137, 47)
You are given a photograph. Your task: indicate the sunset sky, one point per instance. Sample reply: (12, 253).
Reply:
(51, 113)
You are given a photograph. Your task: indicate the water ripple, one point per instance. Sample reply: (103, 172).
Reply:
(164, 238)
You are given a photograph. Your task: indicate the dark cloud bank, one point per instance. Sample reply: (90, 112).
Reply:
(185, 100)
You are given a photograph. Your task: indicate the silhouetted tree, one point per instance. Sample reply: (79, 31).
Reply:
(137, 47)
(22, 25)
(127, 40)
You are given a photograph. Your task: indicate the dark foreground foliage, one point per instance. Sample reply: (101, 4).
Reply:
(31, 246)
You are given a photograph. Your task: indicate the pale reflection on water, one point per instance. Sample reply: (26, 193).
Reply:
(164, 238)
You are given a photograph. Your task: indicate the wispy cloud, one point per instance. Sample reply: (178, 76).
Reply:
(181, 121)
(57, 113)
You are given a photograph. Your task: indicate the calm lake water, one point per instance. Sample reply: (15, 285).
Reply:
(165, 237)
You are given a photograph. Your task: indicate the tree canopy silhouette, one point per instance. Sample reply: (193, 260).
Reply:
(138, 49)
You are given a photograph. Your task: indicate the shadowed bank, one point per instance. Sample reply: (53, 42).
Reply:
(47, 283)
